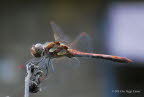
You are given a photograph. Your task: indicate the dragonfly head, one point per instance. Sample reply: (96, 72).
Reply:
(37, 50)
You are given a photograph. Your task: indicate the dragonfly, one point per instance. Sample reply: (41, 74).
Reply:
(63, 49)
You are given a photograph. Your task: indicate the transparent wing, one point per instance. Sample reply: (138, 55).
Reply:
(66, 63)
(65, 68)
(59, 34)
(46, 65)
(83, 42)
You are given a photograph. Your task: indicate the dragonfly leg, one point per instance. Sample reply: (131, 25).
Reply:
(51, 66)
(46, 69)
(47, 66)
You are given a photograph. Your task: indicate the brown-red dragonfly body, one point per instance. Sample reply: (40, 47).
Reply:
(56, 49)
(64, 48)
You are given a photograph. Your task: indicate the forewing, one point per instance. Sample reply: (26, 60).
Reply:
(59, 34)
(83, 42)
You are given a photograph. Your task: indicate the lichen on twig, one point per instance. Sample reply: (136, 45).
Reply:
(32, 79)
(27, 80)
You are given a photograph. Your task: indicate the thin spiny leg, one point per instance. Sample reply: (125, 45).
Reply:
(37, 62)
(51, 66)
(46, 69)
(47, 66)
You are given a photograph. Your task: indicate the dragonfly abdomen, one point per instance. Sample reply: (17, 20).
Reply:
(76, 53)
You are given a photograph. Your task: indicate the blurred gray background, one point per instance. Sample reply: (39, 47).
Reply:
(23, 23)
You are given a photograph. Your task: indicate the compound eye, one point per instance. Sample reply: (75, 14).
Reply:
(39, 50)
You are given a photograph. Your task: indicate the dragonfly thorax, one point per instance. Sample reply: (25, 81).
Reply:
(55, 49)
(37, 50)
